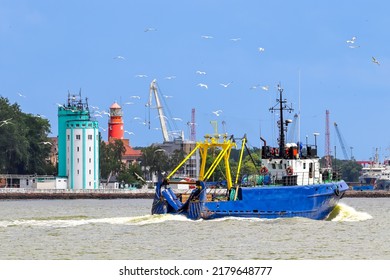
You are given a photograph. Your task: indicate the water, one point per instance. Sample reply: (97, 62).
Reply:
(124, 229)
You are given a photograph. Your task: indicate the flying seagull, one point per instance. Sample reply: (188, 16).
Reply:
(265, 88)
(119, 57)
(135, 96)
(203, 85)
(352, 41)
(150, 29)
(261, 49)
(207, 37)
(200, 72)
(235, 39)
(47, 143)
(141, 76)
(21, 95)
(4, 122)
(375, 61)
(226, 85)
(217, 113)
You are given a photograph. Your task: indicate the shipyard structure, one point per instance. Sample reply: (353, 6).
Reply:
(78, 146)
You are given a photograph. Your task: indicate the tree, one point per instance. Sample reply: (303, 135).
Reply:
(111, 158)
(23, 138)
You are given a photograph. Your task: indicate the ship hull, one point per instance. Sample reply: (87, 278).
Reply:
(268, 202)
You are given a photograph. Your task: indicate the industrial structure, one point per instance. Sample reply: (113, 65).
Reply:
(173, 139)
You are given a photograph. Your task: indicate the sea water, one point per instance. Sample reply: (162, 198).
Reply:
(119, 229)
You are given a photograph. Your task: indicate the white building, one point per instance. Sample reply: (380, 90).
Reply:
(82, 154)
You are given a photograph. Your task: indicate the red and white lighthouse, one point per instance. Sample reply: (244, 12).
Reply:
(115, 124)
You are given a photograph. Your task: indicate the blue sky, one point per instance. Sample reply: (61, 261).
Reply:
(48, 48)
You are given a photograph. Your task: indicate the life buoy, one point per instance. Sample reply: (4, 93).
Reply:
(289, 171)
(337, 192)
(263, 170)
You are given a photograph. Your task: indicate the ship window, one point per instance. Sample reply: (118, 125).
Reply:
(304, 165)
(273, 166)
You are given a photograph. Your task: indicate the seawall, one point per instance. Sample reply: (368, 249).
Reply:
(127, 194)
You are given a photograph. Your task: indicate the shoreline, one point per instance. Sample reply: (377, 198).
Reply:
(130, 194)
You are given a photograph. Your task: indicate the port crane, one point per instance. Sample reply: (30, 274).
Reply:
(162, 117)
(341, 141)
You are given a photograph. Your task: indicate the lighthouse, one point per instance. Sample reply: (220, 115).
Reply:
(115, 124)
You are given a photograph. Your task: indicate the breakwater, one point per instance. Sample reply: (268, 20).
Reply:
(14, 193)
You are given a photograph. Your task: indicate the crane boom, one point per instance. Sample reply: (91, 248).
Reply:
(153, 90)
(341, 141)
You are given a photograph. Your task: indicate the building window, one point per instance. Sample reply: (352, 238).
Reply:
(90, 137)
(78, 136)
(90, 172)
(78, 171)
(68, 137)
(78, 149)
(90, 160)
(78, 160)
(90, 149)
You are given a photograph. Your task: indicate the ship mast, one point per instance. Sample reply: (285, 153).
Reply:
(281, 103)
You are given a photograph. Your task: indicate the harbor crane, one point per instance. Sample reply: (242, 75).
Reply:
(341, 140)
(162, 117)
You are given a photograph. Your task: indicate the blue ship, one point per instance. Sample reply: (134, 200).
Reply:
(290, 181)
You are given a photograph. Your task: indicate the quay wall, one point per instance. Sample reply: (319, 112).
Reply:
(16, 193)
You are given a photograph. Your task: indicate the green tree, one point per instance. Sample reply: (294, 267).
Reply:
(23, 141)
(111, 158)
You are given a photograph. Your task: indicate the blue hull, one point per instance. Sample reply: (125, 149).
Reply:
(311, 201)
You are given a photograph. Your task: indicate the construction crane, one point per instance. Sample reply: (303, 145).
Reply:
(162, 117)
(341, 141)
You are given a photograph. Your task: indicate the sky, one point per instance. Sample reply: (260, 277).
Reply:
(320, 52)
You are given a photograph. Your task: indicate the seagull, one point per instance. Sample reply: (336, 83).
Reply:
(104, 129)
(225, 85)
(352, 41)
(119, 57)
(129, 132)
(170, 77)
(203, 85)
(98, 115)
(168, 96)
(141, 76)
(41, 116)
(129, 103)
(235, 39)
(265, 88)
(47, 143)
(137, 118)
(4, 122)
(261, 49)
(200, 72)
(135, 96)
(94, 107)
(177, 119)
(150, 29)
(375, 61)
(207, 37)
(105, 113)
(217, 113)
(353, 47)
(21, 95)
